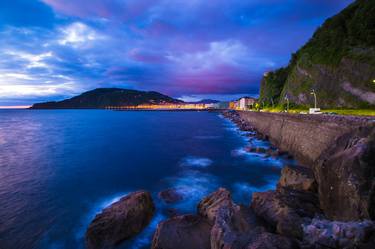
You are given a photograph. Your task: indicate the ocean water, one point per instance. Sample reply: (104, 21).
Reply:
(59, 168)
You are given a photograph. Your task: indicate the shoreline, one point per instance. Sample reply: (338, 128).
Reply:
(293, 215)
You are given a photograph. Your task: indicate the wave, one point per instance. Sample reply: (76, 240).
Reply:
(143, 239)
(199, 162)
(194, 186)
(96, 209)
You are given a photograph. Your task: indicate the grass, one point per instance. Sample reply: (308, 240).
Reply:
(353, 112)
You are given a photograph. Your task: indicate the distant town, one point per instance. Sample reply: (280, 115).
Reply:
(244, 103)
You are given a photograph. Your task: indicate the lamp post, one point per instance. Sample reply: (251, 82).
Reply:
(287, 103)
(313, 93)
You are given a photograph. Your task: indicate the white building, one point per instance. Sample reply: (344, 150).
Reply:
(246, 103)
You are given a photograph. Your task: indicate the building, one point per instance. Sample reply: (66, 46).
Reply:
(246, 103)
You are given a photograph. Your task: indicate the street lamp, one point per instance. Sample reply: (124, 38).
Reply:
(313, 93)
(287, 103)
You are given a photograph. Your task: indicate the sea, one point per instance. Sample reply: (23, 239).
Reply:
(59, 168)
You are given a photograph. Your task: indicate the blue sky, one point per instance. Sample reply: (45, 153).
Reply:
(53, 49)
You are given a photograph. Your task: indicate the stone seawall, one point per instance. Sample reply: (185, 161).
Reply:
(304, 136)
(339, 150)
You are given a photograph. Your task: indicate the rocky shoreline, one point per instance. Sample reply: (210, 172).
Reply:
(297, 214)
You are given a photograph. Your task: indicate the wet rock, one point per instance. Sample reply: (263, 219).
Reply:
(171, 212)
(234, 226)
(272, 241)
(183, 232)
(346, 177)
(210, 205)
(333, 234)
(272, 152)
(298, 178)
(259, 150)
(286, 209)
(171, 195)
(120, 221)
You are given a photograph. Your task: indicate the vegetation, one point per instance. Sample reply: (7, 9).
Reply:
(272, 86)
(346, 34)
(319, 64)
(297, 110)
(105, 97)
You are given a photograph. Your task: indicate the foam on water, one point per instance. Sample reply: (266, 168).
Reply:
(242, 191)
(199, 162)
(96, 209)
(143, 239)
(193, 185)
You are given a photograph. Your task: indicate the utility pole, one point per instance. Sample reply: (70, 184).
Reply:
(287, 103)
(313, 93)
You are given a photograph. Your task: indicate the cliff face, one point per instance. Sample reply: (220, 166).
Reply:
(339, 150)
(104, 97)
(338, 63)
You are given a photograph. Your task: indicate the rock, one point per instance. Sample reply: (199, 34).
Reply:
(120, 221)
(285, 209)
(261, 150)
(171, 195)
(210, 205)
(171, 212)
(346, 177)
(250, 149)
(298, 178)
(183, 232)
(333, 234)
(272, 241)
(234, 226)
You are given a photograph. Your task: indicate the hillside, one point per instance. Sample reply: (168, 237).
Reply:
(104, 97)
(338, 62)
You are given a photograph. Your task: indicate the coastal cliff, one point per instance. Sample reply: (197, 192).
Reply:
(306, 137)
(339, 150)
(338, 62)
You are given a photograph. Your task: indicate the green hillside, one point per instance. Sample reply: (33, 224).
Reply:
(338, 62)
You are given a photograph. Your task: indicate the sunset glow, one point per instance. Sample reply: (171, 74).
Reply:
(54, 49)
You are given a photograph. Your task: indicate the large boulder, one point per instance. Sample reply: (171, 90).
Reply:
(346, 177)
(171, 195)
(272, 241)
(333, 234)
(183, 232)
(286, 209)
(209, 207)
(235, 226)
(120, 221)
(298, 178)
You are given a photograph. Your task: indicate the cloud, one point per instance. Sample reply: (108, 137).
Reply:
(32, 60)
(63, 47)
(78, 34)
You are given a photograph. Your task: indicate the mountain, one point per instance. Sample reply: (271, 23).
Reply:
(104, 97)
(206, 101)
(338, 62)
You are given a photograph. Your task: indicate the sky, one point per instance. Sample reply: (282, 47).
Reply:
(189, 49)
